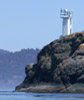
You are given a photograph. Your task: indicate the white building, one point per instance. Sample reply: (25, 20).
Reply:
(67, 22)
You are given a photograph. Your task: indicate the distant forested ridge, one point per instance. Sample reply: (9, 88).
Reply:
(12, 65)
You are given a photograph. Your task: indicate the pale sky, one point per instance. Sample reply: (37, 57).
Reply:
(35, 23)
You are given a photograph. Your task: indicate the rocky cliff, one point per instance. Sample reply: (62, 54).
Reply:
(59, 67)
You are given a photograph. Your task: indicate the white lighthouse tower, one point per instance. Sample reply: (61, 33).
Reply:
(67, 22)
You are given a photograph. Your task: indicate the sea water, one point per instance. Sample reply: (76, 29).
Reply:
(40, 96)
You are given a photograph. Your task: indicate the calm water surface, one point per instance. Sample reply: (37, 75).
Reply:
(40, 96)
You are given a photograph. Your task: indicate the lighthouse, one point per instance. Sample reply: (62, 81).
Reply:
(66, 22)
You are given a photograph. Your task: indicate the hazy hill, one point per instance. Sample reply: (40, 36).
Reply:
(12, 65)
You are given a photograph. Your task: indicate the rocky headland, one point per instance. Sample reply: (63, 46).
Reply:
(59, 67)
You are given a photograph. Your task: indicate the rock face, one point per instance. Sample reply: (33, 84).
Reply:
(59, 67)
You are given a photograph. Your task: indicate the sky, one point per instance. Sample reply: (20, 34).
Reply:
(35, 23)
